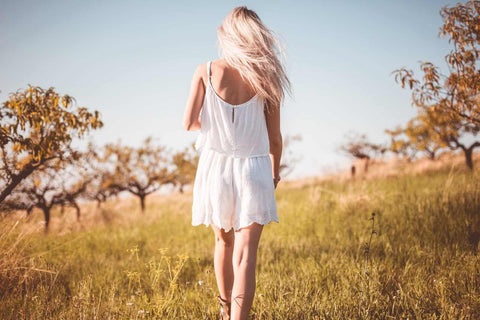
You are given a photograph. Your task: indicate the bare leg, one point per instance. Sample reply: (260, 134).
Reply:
(223, 261)
(244, 262)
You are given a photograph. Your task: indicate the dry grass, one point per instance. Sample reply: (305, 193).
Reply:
(391, 168)
(118, 263)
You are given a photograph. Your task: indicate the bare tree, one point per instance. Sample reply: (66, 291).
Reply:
(358, 146)
(289, 160)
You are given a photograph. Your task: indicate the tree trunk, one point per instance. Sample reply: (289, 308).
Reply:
(468, 151)
(16, 179)
(29, 213)
(142, 202)
(77, 208)
(46, 213)
(468, 157)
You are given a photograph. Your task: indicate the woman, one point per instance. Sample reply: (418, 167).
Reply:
(235, 103)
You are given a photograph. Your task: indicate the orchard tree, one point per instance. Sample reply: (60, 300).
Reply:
(39, 190)
(359, 147)
(400, 144)
(38, 126)
(101, 175)
(75, 177)
(452, 131)
(455, 96)
(288, 161)
(417, 136)
(57, 183)
(185, 162)
(140, 171)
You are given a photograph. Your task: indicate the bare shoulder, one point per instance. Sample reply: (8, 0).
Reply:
(201, 73)
(219, 65)
(218, 61)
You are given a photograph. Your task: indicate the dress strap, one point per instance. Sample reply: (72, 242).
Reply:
(208, 68)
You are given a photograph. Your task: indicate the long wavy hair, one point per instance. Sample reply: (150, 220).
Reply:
(254, 50)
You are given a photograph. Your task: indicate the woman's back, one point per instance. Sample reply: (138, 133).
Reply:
(228, 83)
(236, 130)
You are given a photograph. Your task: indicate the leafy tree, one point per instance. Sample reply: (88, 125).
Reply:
(455, 96)
(186, 162)
(400, 143)
(140, 171)
(58, 182)
(37, 126)
(448, 130)
(102, 183)
(76, 176)
(416, 136)
(39, 190)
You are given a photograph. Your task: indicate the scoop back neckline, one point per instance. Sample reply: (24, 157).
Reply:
(229, 104)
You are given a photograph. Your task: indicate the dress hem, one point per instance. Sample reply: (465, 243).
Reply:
(262, 222)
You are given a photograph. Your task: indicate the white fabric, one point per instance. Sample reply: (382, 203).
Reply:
(233, 185)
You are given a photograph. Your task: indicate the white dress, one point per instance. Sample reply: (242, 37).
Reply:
(233, 185)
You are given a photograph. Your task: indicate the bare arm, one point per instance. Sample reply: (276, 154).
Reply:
(275, 138)
(191, 119)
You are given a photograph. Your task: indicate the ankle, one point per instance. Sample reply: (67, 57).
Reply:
(224, 300)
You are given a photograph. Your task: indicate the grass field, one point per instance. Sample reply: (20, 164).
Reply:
(120, 264)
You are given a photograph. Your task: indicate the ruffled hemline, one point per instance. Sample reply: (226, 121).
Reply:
(208, 222)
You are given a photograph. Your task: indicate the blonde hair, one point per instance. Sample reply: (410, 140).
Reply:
(249, 46)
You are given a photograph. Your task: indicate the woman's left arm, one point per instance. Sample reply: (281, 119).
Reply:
(191, 119)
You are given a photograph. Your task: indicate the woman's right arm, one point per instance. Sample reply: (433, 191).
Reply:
(191, 119)
(275, 138)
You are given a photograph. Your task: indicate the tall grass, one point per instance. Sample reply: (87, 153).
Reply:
(423, 260)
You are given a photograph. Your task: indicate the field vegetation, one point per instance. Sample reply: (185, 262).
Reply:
(318, 263)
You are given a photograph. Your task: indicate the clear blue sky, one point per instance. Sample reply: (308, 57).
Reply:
(134, 60)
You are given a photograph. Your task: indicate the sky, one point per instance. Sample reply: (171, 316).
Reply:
(133, 61)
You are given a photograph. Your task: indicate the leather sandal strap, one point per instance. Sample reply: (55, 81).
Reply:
(225, 312)
(223, 301)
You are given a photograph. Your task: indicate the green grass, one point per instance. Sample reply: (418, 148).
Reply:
(423, 261)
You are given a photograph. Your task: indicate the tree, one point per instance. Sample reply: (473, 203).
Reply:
(400, 143)
(186, 162)
(358, 146)
(103, 184)
(58, 182)
(37, 127)
(40, 190)
(448, 130)
(288, 161)
(75, 177)
(140, 171)
(454, 96)
(416, 137)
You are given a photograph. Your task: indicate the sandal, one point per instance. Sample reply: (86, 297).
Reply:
(224, 308)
